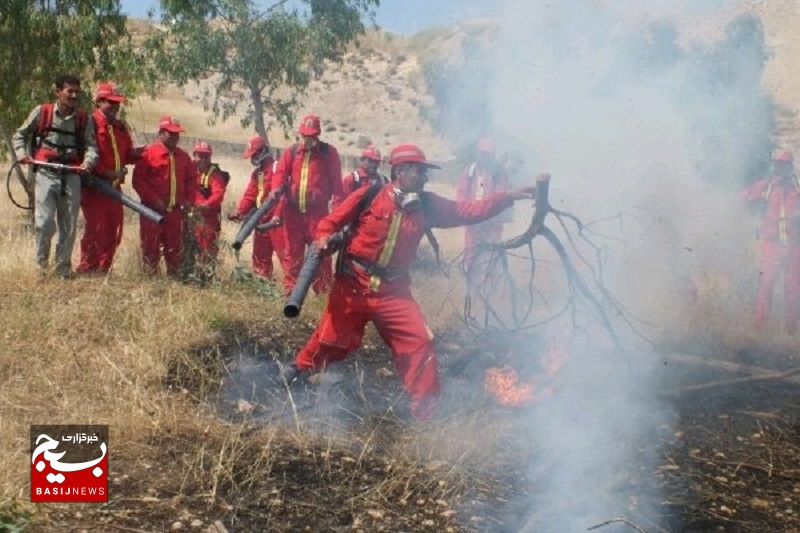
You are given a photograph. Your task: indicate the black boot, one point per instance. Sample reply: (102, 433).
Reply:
(290, 375)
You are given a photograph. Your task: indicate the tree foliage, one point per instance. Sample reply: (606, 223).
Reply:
(726, 109)
(41, 38)
(252, 56)
(735, 102)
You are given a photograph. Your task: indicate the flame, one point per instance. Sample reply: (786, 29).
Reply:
(504, 385)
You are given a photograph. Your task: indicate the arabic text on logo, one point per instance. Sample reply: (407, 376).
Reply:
(69, 463)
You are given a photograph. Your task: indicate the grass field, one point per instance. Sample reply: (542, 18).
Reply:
(147, 357)
(159, 362)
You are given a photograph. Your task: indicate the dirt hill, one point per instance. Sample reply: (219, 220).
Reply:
(373, 96)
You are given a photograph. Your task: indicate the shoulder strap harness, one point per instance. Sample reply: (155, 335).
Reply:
(366, 202)
(46, 112)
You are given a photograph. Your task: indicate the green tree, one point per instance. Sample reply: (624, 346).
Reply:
(730, 113)
(256, 57)
(40, 38)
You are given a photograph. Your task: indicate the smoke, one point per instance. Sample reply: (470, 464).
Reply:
(635, 125)
(654, 135)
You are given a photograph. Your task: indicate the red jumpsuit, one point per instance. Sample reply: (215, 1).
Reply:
(210, 194)
(312, 179)
(374, 285)
(102, 232)
(167, 183)
(358, 178)
(264, 242)
(779, 248)
(477, 183)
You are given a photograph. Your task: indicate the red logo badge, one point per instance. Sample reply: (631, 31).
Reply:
(69, 463)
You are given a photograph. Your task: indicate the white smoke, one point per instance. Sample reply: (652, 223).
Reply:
(626, 135)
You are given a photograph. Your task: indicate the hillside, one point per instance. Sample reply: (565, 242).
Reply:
(373, 96)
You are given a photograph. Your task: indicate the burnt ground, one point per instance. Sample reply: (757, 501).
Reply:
(734, 464)
(729, 463)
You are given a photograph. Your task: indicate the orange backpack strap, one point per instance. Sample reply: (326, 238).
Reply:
(46, 111)
(45, 120)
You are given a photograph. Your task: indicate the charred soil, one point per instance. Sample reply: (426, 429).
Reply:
(338, 454)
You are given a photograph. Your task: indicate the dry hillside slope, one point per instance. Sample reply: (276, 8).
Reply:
(373, 95)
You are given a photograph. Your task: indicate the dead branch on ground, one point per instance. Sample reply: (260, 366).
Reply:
(728, 366)
(775, 376)
(616, 520)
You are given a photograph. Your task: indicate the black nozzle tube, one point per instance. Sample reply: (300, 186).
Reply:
(109, 190)
(304, 280)
(252, 221)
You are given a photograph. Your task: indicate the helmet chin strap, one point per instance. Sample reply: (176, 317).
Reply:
(260, 159)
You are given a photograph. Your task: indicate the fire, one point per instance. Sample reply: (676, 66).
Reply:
(505, 386)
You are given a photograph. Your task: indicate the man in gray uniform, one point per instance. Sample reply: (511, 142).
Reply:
(57, 133)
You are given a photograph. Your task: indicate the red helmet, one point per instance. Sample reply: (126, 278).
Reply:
(170, 123)
(202, 147)
(370, 152)
(109, 91)
(783, 156)
(310, 126)
(254, 145)
(409, 153)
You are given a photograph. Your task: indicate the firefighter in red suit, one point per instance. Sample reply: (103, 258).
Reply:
(211, 184)
(367, 172)
(103, 216)
(166, 180)
(480, 179)
(374, 284)
(311, 174)
(779, 239)
(258, 188)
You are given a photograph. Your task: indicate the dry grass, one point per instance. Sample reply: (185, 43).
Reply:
(143, 114)
(147, 356)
